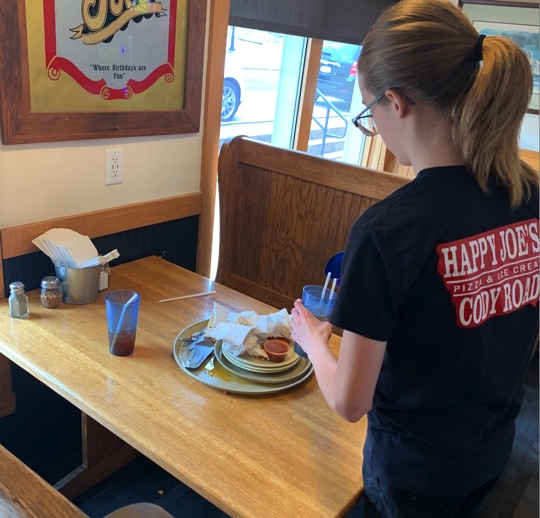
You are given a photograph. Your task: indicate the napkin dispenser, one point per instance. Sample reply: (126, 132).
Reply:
(79, 285)
(81, 270)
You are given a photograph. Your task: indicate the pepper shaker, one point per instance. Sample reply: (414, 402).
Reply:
(18, 301)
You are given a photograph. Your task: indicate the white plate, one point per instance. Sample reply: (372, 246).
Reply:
(212, 373)
(246, 361)
(295, 372)
(246, 366)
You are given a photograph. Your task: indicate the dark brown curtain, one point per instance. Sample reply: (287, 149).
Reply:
(336, 20)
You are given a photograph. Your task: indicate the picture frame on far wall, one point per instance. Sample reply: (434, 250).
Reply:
(77, 69)
(517, 20)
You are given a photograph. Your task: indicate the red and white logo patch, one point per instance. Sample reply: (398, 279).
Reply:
(493, 273)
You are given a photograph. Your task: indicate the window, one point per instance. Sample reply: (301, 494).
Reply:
(262, 85)
(337, 96)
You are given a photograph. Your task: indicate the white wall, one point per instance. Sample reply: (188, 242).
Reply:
(44, 181)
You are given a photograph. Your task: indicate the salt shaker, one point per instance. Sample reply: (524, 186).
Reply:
(51, 292)
(18, 301)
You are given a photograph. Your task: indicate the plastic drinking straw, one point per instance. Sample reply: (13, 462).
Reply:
(333, 290)
(121, 319)
(325, 285)
(189, 296)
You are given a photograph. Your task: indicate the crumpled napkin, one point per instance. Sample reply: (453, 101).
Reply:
(246, 331)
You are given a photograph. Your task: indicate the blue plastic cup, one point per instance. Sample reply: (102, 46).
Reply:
(122, 308)
(320, 307)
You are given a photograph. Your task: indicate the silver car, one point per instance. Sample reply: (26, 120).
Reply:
(233, 87)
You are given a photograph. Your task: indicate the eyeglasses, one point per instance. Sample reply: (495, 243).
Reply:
(364, 120)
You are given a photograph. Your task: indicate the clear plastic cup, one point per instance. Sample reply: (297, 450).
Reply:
(320, 307)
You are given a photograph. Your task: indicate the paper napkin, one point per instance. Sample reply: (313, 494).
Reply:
(71, 249)
(245, 332)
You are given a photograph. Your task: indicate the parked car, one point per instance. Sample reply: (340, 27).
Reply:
(233, 87)
(338, 70)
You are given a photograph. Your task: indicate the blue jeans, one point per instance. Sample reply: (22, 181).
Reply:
(383, 501)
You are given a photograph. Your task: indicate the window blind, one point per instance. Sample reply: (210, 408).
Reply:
(347, 21)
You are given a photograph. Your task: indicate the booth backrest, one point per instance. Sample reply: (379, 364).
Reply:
(284, 213)
(24, 494)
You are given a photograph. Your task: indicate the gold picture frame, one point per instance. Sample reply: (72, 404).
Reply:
(24, 60)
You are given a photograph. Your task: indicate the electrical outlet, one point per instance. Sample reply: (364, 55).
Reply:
(114, 166)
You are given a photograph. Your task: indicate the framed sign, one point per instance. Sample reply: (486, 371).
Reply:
(88, 69)
(516, 20)
(502, 3)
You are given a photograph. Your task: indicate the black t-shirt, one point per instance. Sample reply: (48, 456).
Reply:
(448, 275)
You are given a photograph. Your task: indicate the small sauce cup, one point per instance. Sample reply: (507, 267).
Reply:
(276, 350)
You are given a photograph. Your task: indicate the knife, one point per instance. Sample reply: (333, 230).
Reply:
(197, 352)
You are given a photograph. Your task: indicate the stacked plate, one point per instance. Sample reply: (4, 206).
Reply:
(263, 371)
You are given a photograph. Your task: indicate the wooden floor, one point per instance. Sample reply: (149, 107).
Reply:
(51, 446)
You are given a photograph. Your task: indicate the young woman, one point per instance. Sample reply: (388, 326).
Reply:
(439, 286)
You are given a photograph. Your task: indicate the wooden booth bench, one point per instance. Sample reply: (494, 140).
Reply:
(284, 213)
(24, 494)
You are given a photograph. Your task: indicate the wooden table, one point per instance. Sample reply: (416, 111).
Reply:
(276, 455)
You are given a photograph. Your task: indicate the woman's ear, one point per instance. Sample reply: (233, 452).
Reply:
(398, 102)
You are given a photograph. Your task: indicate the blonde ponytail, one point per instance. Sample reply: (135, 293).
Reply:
(431, 51)
(487, 122)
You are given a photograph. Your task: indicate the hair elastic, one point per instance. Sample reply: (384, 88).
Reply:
(477, 49)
